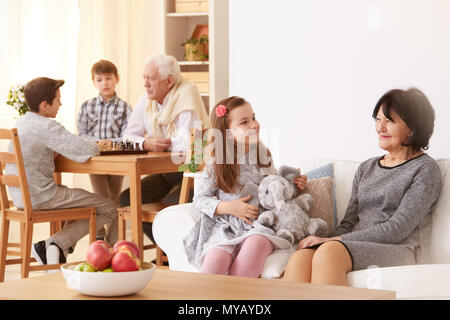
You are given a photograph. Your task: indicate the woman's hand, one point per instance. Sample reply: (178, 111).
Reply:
(301, 182)
(239, 208)
(313, 240)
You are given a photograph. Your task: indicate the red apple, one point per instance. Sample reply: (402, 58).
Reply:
(124, 260)
(133, 246)
(99, 255)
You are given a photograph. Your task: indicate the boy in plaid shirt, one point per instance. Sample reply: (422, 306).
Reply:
(104, 119)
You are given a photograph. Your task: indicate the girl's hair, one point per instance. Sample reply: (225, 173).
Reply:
(414, 108)
(227, 173)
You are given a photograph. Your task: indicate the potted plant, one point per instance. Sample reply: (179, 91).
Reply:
(195, 49)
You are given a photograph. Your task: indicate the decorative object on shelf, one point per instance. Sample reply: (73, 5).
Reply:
(195, 49)
(201, 30)
(191, 6)
(16, 99)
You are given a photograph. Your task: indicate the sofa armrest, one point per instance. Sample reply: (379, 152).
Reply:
(170, 226)
(422, 281)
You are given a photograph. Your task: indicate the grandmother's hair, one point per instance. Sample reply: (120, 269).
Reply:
(414, 108)
(167, 66)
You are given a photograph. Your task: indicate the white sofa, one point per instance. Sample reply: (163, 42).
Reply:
(431, 281)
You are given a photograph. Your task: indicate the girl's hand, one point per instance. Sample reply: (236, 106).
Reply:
(301, 182)
(313, 240)
(242, 210)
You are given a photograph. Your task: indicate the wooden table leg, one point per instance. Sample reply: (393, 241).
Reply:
(56, 226)
(136, 210)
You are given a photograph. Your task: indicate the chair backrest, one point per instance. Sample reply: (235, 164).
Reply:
(19, 181)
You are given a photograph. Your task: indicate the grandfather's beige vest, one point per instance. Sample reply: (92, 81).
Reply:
(184, 96)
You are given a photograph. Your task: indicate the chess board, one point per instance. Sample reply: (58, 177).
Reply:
(119, 152)
(122, 148)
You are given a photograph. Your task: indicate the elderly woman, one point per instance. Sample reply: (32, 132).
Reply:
(387, 222)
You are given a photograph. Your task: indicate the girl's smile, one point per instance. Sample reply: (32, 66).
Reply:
(243, 125)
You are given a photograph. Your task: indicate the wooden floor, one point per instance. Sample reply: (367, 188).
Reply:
(41, 232)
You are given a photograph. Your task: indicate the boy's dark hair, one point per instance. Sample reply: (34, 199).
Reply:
(39, 90)
(414, 108)
(102, 67)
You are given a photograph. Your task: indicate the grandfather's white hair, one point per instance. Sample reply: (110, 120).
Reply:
(167, 65)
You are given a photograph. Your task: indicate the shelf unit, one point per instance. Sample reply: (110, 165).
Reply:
(179, 26)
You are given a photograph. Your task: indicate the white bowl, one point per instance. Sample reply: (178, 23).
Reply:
(107, 284)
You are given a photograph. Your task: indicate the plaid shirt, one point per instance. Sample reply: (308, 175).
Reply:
(100, 120)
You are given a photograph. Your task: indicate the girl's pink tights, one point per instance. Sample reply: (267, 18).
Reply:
(249, 262)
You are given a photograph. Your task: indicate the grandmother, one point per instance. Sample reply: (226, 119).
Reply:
(388, 221)
(162, 121)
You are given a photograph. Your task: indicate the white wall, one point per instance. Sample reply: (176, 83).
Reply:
(314, 70)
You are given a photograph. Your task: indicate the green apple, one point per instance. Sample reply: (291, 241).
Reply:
(85, 267)
(108, 270)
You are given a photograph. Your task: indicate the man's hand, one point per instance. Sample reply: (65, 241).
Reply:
(156, 144)
(103, 143)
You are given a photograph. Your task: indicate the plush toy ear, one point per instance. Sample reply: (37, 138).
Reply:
(289, 173)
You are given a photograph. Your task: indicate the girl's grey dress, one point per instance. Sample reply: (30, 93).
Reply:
(225, 231)
(388, 221)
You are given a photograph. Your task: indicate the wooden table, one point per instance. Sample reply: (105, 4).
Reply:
(125, 165)
(176, 285)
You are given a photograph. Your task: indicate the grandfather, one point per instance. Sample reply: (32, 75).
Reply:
(162, 121)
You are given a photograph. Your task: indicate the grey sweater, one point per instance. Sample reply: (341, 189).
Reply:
(40, 137)
(391, 205)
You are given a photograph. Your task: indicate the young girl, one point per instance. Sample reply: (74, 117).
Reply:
(227, 239)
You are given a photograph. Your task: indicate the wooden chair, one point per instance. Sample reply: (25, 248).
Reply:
(150, 210)
(27, 217)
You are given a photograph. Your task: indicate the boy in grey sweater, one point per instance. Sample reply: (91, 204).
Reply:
(41, 139)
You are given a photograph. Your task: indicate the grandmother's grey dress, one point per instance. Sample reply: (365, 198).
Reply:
(225, 231)
(388, 220)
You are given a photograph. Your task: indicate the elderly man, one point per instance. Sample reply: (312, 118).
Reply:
(162, 121)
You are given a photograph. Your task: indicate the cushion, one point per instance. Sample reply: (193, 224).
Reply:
(275, 264)
(422, 281)
(321, 190)
(320, 172)
(321, 186)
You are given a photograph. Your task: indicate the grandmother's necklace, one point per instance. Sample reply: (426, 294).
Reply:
(396, 161)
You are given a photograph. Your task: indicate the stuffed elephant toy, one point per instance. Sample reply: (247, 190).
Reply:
(285, 210)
